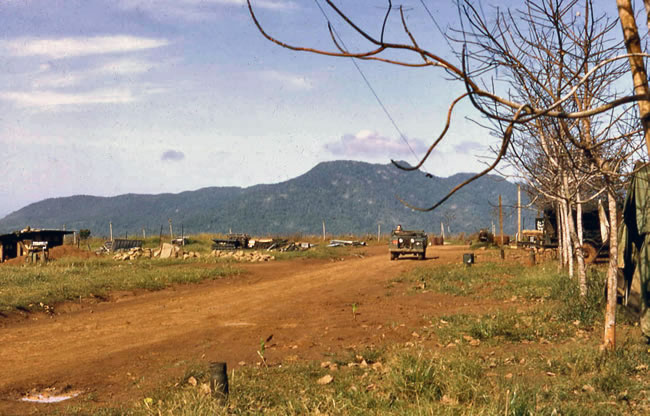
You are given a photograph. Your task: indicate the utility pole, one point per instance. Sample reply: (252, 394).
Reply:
(144, 234)
(110, 227)
(171, 232)
(518, 213)
(323, 230)
(378, 231)
(501, 227)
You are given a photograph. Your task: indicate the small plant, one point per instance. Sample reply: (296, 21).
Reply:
(354, 311)
(262, 349)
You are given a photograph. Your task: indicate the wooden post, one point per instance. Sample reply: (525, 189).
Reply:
(323, 230)
(219, 381)
(110, 226)
(160, 237)
(144, 234)
(518, 213)
(442, 230)
(378, 231)
(500, 222)
(171, 231)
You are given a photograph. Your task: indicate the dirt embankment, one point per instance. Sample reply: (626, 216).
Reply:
(56, 253)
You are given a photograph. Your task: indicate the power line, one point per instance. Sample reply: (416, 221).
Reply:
(435, 22)
(381, 104)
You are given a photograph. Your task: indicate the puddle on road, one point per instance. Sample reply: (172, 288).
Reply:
(49, 396)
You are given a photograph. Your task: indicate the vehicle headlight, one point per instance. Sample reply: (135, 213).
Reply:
(412, 240)
(401, 241)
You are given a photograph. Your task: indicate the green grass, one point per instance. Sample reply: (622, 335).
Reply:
(464, 381)
(460, 280)
(537, 355)
(33, 287)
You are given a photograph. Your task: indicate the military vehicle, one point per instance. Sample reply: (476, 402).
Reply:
(407, 242)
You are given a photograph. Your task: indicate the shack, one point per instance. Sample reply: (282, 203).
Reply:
(17, 243)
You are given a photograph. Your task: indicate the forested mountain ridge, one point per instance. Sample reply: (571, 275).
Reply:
(351, 197)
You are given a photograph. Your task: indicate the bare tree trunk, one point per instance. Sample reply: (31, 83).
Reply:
(560, 237)
(567, 235)
(579, 220)
(637, 67)
(580, 254)
(609, 342)
(582, 274)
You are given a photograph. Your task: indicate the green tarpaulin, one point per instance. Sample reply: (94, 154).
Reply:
(634, 241)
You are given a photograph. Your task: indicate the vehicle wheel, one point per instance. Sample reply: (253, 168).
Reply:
(423, 256)
(393, 256)
(589, 251)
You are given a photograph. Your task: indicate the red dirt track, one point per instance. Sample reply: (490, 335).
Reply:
(118, 350)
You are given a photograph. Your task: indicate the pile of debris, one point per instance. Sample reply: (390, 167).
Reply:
(167, 251)
(342, 243)
(294, 246)
(241, 255)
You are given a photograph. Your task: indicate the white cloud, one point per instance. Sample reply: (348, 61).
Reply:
(470, 147)
(126, 66)
(368, 143)
(53, 99)
(298, 82)
(264, 4)
(197, 10)
(79, 46)
(50, 77)
(55, 81)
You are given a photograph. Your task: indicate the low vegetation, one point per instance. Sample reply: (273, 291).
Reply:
(41, 286)
(537, 354)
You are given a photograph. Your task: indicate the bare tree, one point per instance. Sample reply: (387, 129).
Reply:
(477, 70)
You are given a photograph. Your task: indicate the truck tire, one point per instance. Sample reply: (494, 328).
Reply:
(589, 251)
(394, 256)
(423, 256)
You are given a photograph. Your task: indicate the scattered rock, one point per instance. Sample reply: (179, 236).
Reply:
(448, 400)
(326, 379)
(588, 389)
(192, 381)
(250, 256)
(205, 389)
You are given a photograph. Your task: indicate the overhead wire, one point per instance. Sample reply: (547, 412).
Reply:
(367, 81)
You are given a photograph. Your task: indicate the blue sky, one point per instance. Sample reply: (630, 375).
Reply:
(149, 96)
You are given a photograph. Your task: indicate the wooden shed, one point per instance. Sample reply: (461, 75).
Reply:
(16, 244)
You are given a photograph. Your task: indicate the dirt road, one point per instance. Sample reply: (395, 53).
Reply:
(118, 349)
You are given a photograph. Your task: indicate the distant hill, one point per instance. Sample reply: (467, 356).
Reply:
(351, 197)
